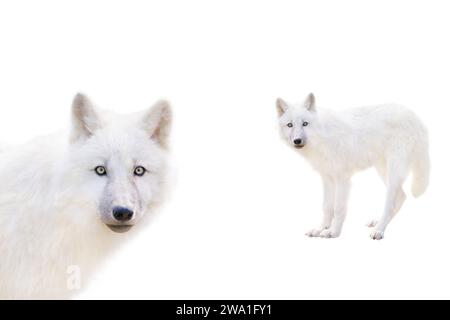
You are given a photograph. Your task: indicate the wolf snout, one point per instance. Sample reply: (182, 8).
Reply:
(122, 214)
(122, 220)
(299, 143)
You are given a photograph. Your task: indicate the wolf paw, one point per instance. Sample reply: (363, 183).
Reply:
(372, 223)
(328, 233)
(314, 233)
(377, 235)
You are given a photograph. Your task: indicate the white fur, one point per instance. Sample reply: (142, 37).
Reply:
(51, 199)
(388, 137)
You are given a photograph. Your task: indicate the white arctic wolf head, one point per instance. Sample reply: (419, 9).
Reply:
(297, 121)
(116, 163)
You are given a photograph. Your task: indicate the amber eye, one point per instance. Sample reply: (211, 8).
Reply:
(290, 125)
(139, 171)
(100, 170)
(305, 123)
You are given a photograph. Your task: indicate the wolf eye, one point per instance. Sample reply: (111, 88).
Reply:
(100, 170)
(139, 171)
(305, 123)
(290, 125)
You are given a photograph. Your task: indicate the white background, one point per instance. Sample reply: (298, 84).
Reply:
(234, 226)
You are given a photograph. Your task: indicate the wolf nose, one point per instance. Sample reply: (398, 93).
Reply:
(298, 141)
(122, 214)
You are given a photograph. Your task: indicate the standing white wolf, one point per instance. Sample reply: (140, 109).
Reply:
(389, 137)
(67, 200)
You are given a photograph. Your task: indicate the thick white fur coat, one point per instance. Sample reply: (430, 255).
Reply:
(50, 198)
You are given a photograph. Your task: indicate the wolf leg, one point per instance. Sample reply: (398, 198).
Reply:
(328, 207)
(342, 189)
(381, 170)
(395, 196)
(400, 199)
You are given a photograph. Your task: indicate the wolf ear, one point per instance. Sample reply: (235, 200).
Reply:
(85, 120)
(310, 102)
(158, 122)
(282, 106)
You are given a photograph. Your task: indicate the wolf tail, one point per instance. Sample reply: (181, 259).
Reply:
(420, 171)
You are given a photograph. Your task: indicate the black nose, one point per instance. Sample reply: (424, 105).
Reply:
(298, 141)
(122, 214)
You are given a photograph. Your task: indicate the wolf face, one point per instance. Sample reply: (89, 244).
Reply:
(296, 120)
(117, 162)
